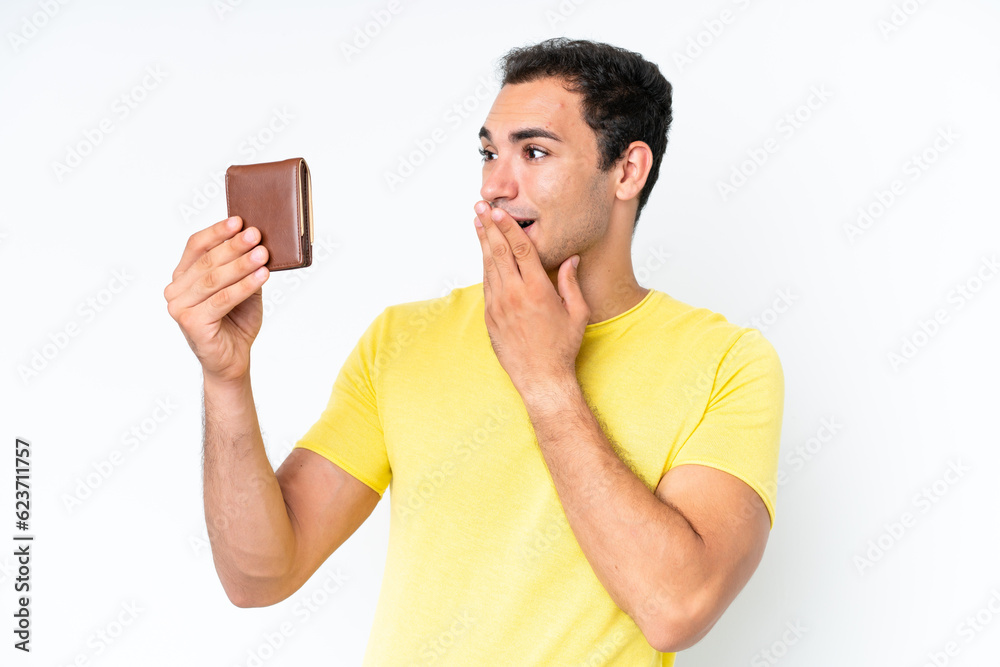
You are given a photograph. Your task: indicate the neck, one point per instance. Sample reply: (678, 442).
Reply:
(609, 299)
(607, 282)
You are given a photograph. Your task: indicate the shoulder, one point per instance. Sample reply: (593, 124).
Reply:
(708, 330)
(425, 319)
(708, 340)
(424, 311)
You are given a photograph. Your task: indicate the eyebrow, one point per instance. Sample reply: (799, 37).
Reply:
(520, 135)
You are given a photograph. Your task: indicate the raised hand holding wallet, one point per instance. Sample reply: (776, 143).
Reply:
(276, 198)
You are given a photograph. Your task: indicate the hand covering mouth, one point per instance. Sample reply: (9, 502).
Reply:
(522, 223)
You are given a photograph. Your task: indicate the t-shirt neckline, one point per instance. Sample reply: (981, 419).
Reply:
(642, 302)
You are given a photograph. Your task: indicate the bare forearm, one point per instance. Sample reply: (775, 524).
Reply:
(249, 527)
(644, 552)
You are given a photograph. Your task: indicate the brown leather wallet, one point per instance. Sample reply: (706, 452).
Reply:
(276, 198)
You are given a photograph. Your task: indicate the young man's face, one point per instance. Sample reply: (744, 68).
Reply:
(554, 179)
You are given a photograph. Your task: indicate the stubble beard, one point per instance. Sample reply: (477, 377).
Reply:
(577, 237)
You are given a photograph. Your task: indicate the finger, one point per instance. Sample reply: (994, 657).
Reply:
(215, 307)
(499, 251)
(491, 277)
(487, 293)
(221, 277)
(219, 255)
(487, 300)
(572, 295)
(522, 249)
(202, 241)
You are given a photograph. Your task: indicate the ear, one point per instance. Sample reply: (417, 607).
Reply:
(634, 170)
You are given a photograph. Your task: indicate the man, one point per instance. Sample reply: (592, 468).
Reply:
(583, 470)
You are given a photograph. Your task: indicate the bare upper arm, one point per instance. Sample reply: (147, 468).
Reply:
(326, 504)
(734, 524)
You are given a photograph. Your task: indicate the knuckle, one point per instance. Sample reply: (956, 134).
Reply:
(172, 310)
(499, 250)
(193, 243)
(204, 262)
(521, 249)
(184, 319)
(210, 280)
(220, 299)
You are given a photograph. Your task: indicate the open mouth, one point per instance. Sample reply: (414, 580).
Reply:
(525, 223)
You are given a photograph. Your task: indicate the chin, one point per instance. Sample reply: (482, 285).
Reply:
(550, 265)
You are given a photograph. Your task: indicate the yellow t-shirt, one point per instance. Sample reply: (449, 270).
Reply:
(482, 566)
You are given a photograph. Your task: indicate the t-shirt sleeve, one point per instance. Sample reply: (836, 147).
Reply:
(349, 430)
(740, 431)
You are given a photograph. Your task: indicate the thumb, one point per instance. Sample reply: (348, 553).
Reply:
(569, 289)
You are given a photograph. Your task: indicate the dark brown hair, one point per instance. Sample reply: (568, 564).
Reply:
(625, 97)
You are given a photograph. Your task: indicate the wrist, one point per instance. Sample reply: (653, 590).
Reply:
(552, 396)
(226, 385)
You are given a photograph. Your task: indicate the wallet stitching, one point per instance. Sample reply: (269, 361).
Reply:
(304, 242)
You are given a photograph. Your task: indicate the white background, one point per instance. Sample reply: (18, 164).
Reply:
(894, 75)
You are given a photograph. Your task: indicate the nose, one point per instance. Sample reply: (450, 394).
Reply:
(499, 180)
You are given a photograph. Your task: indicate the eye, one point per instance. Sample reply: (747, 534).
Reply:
(485, 153)
(534, 149)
